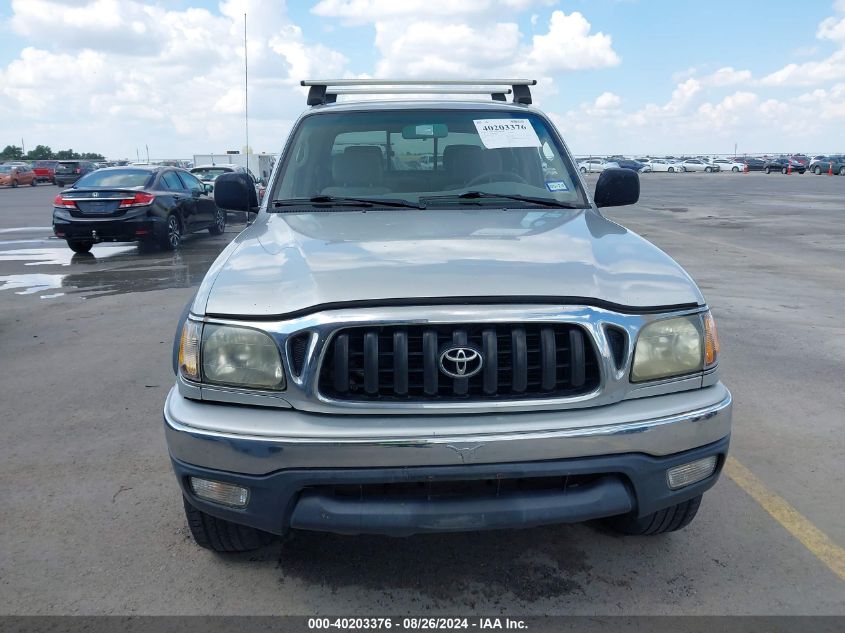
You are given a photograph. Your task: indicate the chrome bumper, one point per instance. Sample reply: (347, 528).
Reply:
(257, 441)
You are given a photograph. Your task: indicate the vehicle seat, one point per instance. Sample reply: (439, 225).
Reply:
(462, 163)
(358, 170)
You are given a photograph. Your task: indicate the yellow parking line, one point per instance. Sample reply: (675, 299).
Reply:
(793, 521)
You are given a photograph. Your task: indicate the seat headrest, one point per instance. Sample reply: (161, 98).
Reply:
(457, 158)
(359, 166)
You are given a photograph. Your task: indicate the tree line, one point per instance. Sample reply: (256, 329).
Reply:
(43, 152)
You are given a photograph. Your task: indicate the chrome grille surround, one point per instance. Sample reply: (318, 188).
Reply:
(303, 392)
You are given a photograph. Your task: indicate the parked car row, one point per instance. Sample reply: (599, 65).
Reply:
(799, 163)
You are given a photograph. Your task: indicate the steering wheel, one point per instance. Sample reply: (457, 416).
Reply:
(490, 176)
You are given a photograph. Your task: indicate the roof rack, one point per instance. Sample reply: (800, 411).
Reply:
(319, 93)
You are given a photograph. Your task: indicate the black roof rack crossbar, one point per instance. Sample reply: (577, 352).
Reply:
(323, 91)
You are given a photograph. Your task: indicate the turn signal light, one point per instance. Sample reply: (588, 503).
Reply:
(220, 492)
(711, 340)
(189, 356)
(691, 473)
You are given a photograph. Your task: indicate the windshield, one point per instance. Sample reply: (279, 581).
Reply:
(428, 157)
(115, 178)
(5, 169)
(209, 173)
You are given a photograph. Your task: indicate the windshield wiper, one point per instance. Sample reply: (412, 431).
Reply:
(475, 195)
(345, 201)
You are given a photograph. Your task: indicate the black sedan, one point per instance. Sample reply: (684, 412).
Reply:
(753, 164)
(783, 165)
(124, 204)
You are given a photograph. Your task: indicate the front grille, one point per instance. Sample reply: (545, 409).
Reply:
(466, 489)
(519, 361)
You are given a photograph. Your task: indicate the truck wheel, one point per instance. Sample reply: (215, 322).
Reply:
(80, 246)
(219, 223)
(223, 536)
(666, 520)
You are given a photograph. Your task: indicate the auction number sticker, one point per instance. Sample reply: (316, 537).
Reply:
(499, 133)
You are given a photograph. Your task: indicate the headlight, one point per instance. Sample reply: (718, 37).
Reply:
(676, 346)
(240, 357)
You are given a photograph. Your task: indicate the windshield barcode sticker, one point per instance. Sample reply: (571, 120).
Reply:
(557, 185)
(499, 133)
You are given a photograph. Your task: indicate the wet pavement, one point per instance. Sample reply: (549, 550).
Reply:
(34, 262)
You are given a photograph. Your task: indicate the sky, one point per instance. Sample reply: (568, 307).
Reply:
(616, 76)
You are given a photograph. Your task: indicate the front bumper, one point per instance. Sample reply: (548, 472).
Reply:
(621, 451)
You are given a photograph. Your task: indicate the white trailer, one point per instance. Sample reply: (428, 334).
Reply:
(261, 165)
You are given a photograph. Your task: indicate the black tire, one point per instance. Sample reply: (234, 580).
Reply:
(583, 170)
(171, 238)
(33, 182)
(768, 170)
(223, 536)
(14, 184)
(671, 170)
(219, 226)
(842, 171)
(667, 520)
(735, 170)
(80, 246)
(784, 170)
(817, 170)
(708, 169)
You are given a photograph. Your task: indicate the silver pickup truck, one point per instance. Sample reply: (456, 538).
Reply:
(398, 349)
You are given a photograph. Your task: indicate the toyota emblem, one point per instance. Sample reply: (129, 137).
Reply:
(460, 362)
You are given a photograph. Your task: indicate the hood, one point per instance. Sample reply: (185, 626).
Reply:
(290, 262)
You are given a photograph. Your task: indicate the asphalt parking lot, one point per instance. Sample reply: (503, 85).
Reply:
(92, 521)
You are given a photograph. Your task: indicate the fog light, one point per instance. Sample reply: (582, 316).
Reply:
(220, 492)
(686, 474)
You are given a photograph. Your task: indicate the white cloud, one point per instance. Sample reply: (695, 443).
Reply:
(727, 76)
(569, 46)
(817, 72)
(607, 101)
(142, 73)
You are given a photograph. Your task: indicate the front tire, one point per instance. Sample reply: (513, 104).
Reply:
(583, 170)
(669, 519)
(842, 171)
(768, 170)
(14, 184)
(671, 170)
(33, 182)
(172, 237)
(223, 536)
(735, 170)
(80, 246)
(219, 223)
(784, 171)
(817, 171)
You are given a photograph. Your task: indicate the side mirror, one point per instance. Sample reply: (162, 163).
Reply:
(617, 187)
(235, 192)
(208, 187)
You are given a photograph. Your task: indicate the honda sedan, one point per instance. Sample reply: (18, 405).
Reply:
(152, 204)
